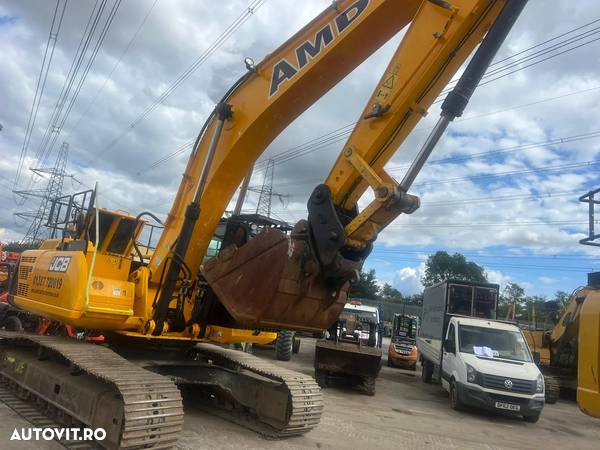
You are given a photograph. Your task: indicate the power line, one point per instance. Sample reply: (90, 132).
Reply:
(511, 173)
(109, 77)
(53, 190)
(512, 149)
(221, 39)
(545, 42)
(514, 266)
(488, 224)
(341, 133)
(487, 255)
(40, 86)
(96, 49)
(492, 70)
(60, 115)
(186, 146)
(488, 199)
(90, 28)
(475, 177)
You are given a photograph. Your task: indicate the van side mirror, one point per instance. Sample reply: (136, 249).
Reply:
(449, 346)
(536, 357)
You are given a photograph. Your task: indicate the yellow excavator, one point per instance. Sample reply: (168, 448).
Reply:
(164, 317)
(570, 350)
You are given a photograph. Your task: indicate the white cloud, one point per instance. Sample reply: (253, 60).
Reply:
(408, 279)
(497, 277)
(548, 280)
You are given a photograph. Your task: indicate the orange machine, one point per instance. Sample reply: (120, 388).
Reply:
(402, 352)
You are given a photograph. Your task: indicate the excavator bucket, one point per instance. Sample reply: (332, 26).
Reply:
(273, 281)
(347, 358)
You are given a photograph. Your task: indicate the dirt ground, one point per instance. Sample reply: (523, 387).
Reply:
(404, 413)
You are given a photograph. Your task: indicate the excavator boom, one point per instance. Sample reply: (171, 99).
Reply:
(306, 276)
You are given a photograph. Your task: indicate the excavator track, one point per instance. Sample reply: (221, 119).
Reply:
(34, 414)
(93, 387)
(302, 395)
(552, 392)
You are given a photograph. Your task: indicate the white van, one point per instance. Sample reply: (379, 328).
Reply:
(488, 364)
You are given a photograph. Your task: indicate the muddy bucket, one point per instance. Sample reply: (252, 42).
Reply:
(274, 281)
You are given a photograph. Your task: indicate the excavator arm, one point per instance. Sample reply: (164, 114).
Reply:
(305, 278)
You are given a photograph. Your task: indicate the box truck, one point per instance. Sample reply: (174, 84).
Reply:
(478, 360)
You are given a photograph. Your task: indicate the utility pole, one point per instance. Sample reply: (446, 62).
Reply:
(266, 191)
(39, 217)
(242, 195)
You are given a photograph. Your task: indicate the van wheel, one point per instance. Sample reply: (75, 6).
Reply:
(455, 401)
(427, 371)
(532, 418)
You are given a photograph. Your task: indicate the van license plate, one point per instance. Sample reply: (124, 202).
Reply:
(509, 406)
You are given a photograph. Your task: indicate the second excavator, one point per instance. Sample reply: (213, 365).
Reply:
(163, 317)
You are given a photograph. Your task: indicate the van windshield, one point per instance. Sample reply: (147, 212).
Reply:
(492, 343)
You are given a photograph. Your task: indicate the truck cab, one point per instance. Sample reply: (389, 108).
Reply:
(479, 361)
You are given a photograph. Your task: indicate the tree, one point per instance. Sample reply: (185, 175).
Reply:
(17, 247)
(513, 296)
(390, 293)
(366, 287)
(442, 266)
(537, 309)
(561, 298)
(415, 299)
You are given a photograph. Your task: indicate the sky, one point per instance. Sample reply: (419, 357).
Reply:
(501, 187)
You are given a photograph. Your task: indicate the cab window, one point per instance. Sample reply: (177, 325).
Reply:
(451, 336)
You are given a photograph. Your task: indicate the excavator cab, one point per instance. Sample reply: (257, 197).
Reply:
(80, 276)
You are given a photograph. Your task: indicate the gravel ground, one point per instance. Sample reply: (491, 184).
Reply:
(404, 413)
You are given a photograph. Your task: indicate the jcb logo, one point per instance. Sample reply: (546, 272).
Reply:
(285, 70)
(59, 264)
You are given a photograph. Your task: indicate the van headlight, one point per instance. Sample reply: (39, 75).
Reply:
(539, 383)
(471, 373)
